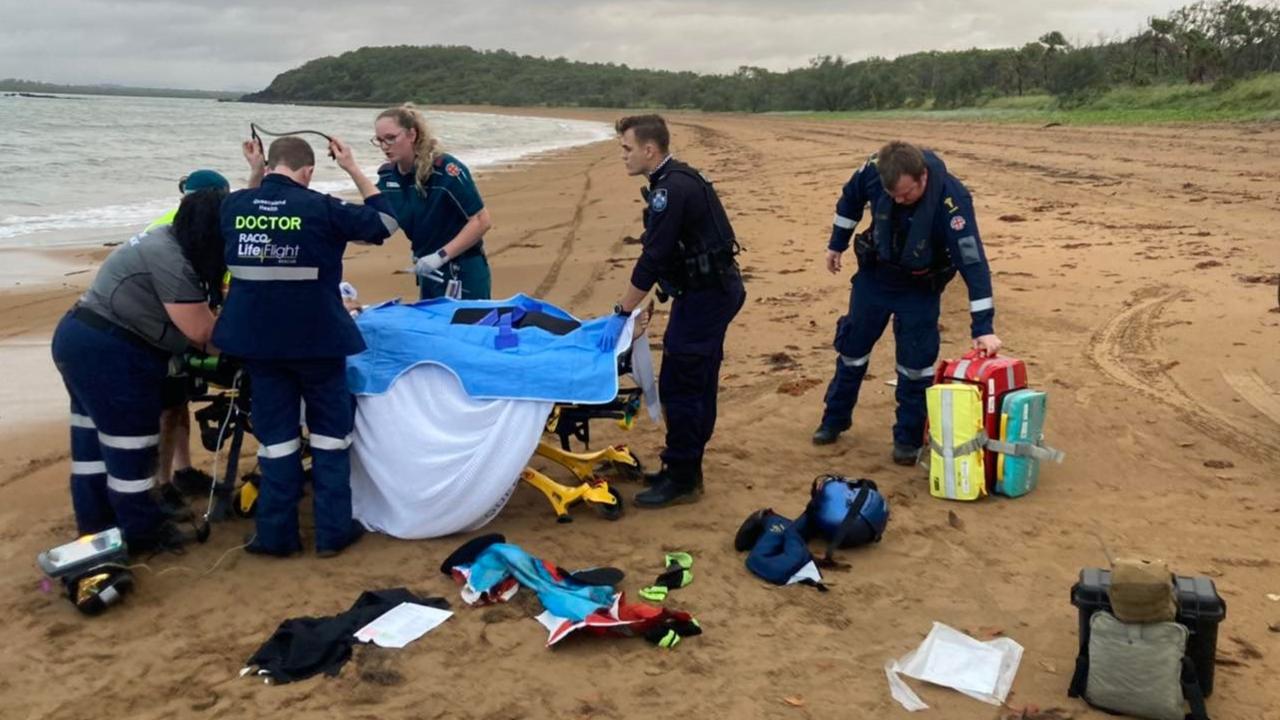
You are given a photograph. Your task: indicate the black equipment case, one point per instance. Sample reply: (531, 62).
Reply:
(1200, 609)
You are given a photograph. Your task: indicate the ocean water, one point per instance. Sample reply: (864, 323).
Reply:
(84, 169)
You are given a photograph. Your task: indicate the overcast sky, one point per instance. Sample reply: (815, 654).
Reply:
(242, 45)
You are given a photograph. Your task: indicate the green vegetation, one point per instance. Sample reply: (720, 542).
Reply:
(1257, 98)
(1206, 61)
(30, 86)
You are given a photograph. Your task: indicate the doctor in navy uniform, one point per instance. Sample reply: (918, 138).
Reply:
(285, 319)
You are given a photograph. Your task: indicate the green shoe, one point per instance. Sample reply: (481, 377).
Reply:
(683, 559)
(654, 593)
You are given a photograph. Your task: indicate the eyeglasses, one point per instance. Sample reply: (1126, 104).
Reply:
(385, 140)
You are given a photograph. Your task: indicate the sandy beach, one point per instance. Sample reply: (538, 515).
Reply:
(1135, 271)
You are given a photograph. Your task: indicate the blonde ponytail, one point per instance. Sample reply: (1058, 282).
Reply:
(425, 148)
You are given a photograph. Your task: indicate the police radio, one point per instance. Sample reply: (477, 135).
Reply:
(93, 569)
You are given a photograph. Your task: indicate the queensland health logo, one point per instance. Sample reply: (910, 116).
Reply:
(255, 240)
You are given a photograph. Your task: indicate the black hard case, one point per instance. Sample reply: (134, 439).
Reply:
(1200, 609)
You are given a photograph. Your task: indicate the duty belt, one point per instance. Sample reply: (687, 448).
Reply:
(88, 317)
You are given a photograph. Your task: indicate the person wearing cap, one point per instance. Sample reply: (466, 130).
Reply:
(284, 319)
(199, 180)
(437, 204)
(177, 476)
(147, 303)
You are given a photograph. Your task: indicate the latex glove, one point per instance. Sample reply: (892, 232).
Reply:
(428, 264)
(612, 331)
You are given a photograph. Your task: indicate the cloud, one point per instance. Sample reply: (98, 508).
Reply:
(237, 44)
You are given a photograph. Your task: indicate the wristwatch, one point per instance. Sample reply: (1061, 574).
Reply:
(617, 309)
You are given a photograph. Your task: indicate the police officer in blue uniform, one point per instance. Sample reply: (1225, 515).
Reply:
(284, 317)
(922, 232)
(688, 251)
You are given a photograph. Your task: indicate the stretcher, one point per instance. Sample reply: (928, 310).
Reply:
(225, 417)
(591, 469)
(222, 384)
(439, 447)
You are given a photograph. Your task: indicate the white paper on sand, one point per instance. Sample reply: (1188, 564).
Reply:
(947, 657)
(402, 624)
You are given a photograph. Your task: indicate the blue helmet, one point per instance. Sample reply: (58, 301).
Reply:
(834, 498)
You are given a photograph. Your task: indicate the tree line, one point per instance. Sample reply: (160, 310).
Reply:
(15, 85)
(1206, 42)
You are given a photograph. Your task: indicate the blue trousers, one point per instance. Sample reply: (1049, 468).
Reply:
(279, 387)
(115, 387)
(689, 380)
(914, 310)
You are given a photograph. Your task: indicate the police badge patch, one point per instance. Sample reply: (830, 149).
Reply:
(658, 200)
(957, 223)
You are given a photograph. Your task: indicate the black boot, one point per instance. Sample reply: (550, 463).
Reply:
(357, 532)
(652, 478)
(172, 503)
(192, 481)
(167, 537)
(825, 434)
(905, 454)
(252, 547)
(675, 483)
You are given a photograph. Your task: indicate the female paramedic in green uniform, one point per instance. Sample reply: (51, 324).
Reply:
(436, 204)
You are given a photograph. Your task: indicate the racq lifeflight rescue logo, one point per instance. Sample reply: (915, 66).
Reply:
(255, 240)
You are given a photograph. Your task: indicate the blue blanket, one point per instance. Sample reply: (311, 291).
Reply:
(492, 359)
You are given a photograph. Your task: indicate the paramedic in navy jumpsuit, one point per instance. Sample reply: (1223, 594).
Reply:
(688, 249)
(284, 317)
(148, 302)
(922, 231)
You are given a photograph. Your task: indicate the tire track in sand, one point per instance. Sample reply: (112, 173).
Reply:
(33, 466)
(566, 248)
(1123, 350)
(525, 237)
(1250, 386)
(710, 139)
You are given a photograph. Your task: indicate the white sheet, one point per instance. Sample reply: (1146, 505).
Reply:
(947, 657)
(428, 460)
